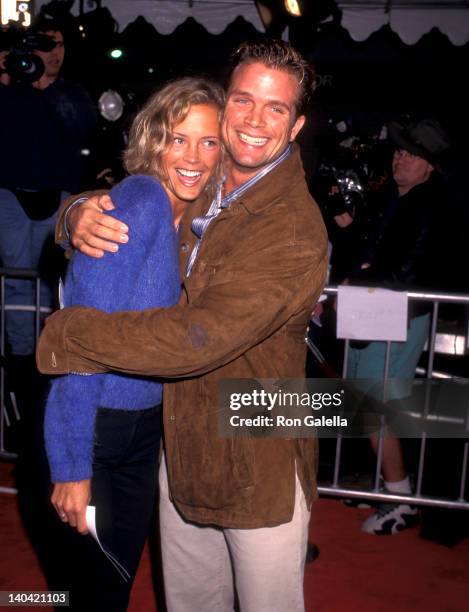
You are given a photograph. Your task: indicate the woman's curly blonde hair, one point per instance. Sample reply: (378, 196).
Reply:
(152, 128)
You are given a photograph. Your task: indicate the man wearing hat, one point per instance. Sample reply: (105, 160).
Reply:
(398, 258)
(420, 151)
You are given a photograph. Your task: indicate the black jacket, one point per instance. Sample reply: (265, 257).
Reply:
(42, 135)
(405, 252)
(402, 247)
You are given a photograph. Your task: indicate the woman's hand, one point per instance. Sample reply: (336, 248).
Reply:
(70, 500)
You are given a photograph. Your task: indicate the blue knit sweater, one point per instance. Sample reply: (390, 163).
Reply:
(142, 274)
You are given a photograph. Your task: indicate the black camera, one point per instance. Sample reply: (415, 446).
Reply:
(342, 187)
(21, 63)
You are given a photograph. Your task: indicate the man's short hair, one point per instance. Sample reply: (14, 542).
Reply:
(279, 55)
(152, 129)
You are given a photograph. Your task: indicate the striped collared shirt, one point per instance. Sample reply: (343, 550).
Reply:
(200, 224)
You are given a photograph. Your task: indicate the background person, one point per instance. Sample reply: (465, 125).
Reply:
(403, 255)
(45, 124)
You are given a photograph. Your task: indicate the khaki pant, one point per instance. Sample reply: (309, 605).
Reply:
(202, 564)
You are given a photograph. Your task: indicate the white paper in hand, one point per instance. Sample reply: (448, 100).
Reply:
(91, 524)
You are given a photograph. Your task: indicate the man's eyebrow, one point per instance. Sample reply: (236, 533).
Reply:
(240, 92)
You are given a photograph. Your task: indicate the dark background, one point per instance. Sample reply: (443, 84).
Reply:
(364, 83)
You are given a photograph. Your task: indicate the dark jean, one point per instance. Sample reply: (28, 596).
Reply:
(123, 491)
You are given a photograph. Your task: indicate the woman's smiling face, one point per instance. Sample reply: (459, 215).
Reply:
(193, 154)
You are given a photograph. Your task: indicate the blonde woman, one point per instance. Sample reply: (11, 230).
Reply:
(103, 432)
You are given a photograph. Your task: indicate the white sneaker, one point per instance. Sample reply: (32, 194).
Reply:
(390, 519)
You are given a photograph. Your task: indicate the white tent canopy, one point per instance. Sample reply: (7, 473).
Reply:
(409, 18)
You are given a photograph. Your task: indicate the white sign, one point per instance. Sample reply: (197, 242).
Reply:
(365, 313)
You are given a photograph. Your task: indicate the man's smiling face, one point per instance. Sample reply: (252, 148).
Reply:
(260, 116)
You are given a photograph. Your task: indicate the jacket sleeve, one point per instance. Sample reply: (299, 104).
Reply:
(248, 298)
(109, 284)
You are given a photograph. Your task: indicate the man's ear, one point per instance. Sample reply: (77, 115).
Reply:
(299, 123)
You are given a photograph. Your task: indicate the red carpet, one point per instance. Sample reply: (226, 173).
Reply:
(359, 572)
(354, 572)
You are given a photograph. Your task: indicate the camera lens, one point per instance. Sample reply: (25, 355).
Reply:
(25, 67)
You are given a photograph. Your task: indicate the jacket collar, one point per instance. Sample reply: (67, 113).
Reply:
(274, 185)
(263, 194)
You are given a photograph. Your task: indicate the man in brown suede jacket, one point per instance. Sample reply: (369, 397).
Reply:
(251, 279)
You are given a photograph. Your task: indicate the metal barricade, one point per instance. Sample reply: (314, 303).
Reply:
(9, 413)
(9, 410)
(336, 486)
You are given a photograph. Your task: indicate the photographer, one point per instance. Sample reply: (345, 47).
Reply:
(45, 122)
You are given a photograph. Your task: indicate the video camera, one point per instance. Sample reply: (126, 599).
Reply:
(21, 63)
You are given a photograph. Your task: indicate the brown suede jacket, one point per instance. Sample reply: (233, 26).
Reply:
(243, 314)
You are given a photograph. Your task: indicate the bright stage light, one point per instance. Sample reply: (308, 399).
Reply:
(116, 53)
(293, 7)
